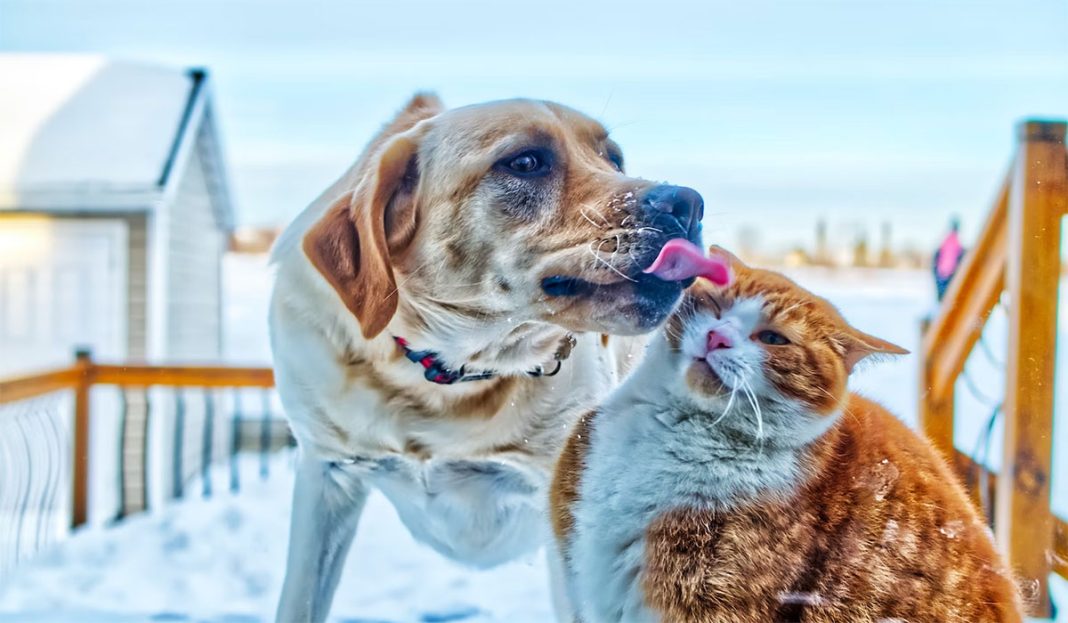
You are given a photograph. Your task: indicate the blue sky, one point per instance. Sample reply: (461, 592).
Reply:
(781, 113)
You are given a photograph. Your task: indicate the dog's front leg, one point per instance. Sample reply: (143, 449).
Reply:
(327, 501)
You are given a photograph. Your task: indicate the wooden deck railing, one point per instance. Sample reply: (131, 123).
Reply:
(1017, 254)
(266, 431)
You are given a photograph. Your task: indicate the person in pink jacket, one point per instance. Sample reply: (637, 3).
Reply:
(947, 259)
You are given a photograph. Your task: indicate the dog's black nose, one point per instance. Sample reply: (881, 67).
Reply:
(685, 204)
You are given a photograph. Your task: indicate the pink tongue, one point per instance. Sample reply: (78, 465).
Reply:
(681, 259)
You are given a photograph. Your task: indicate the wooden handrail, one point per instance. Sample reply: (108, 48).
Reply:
(1018, 252)
(33, 385)
(182, 376)
(24, 387)
(85, 374)
(972, 295)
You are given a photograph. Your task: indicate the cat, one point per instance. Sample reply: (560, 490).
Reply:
(732, 477)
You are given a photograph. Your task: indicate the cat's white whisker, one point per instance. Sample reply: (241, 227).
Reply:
(751, 396)
(727, 409)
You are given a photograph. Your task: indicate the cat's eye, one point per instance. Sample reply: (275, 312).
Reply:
(772, 338)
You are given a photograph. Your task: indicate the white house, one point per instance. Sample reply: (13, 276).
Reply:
(114, 212)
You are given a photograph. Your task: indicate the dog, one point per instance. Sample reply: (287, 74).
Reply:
(444, 312)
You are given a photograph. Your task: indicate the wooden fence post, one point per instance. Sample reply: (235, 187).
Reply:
(1023, 521)
(83, 362)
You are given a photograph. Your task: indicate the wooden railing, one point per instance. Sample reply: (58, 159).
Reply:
(265, 432)
(1016, 256)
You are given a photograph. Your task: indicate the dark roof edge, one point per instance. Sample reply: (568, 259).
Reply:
(197, 134)
(198, 77)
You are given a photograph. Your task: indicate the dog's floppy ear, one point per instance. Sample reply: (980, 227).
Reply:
(354, 242)
(423, 105)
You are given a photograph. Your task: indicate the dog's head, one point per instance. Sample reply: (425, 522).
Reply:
(514, 211)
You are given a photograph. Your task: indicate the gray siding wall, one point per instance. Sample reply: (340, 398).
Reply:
(196, 245)
(137, 287)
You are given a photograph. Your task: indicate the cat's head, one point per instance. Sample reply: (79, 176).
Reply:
(763, 338)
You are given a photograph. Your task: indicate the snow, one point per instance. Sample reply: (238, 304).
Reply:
(222, 559)
(63, 128)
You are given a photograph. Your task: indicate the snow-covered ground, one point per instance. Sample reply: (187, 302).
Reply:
(222, 559)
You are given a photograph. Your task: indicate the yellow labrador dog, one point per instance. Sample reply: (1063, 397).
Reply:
(441, 316)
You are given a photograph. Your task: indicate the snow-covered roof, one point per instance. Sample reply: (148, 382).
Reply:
(86, 133)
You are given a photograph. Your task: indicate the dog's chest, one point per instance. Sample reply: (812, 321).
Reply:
(475, 489)
(481, 511)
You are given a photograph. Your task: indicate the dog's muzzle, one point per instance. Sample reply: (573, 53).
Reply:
(665, 213)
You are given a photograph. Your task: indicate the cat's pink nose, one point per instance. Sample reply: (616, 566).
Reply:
(717, 340)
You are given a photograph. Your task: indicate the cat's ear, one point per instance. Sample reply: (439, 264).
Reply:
(733, 261)
(860, 345)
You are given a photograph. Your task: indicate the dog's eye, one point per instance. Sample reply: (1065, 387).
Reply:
(531, 163)
(771, 338)
(526, 163)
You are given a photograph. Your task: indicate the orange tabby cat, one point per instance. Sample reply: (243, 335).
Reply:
(733, 478)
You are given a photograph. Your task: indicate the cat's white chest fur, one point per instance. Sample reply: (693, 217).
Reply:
(647, 457)
(618, 499)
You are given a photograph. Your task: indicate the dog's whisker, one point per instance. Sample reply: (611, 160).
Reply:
(609, 265)
(411, 274)
(582, 211)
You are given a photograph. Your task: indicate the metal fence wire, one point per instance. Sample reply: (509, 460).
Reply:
(993, 405)
(159, 433)
(34, 476)
(201, 428)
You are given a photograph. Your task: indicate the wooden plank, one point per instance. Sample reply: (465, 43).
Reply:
(39, 384)
(972, 295)
(973, 474)
(1024, 523)
(33, 385)
(950, 337)
(181, 376)
(79, 512)
(936, 414)
(1059, 555)
(969, 471)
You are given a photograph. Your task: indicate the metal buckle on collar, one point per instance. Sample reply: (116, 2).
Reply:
(540, 370)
